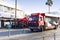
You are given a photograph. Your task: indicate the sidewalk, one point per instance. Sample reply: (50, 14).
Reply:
(4, 33)
(13, 36)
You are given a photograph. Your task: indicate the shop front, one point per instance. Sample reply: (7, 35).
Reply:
(5, 21)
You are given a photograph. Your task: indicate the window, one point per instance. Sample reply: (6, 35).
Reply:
(1, 8)
(12, 10)
(19, 14)
(40, 18)
(5, 9)
(33, 18)
(8, 8)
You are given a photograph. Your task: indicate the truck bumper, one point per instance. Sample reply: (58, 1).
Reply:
(35, 28)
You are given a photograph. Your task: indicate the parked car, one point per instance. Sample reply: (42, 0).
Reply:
(8, 26)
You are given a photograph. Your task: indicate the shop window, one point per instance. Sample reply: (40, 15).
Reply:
(6, 9)
(12, 10)
(1, 8)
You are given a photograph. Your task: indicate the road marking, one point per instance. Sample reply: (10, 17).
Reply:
(6, 30)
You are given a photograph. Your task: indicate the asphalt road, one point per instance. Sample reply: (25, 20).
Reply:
(45, 35)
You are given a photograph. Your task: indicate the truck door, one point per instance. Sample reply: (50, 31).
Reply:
(40, 21)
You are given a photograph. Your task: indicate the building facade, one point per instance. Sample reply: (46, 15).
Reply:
(7, 13)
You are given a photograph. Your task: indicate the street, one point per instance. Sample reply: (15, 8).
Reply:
(26, 34)
(18, 19)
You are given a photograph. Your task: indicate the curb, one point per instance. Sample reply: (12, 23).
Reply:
(6, 30)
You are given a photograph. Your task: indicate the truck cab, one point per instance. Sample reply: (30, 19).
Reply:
(36, 21)
(39, 22)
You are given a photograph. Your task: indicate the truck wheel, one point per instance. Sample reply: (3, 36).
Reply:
(32, 30)
(55, 27)
(42, 28)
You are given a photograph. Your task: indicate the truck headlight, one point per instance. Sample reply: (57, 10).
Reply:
(30, 19)
(34, 22)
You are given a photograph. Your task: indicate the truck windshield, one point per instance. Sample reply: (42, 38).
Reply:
(40, 18)
(33, 18)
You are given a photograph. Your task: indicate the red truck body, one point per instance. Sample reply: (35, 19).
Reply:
(20, 23)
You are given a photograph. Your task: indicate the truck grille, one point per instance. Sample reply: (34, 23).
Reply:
(33, 24)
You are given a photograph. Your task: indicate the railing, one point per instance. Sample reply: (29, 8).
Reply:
(45, 36)
(53, 36)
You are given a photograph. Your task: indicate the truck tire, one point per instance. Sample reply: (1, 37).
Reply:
(55, 27)
(31, 30)
(42, 28)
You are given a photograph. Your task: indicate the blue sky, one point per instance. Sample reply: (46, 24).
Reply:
(32, 6)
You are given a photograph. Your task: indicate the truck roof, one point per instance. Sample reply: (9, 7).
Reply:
(36, 14)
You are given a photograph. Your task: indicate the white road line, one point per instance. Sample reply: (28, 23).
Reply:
(5, 30)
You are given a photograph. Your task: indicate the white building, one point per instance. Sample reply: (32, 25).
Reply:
(7, 12)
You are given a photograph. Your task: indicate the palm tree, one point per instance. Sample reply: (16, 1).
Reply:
(49, 3)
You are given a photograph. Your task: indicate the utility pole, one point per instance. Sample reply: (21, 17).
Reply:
(49, 3)
(15, 12)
